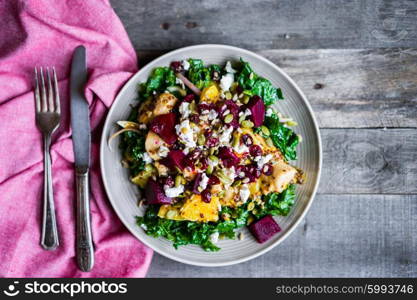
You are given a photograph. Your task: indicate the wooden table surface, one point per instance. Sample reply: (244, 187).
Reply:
(356, 61)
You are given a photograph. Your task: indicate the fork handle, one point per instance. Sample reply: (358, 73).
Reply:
(49, 239)
(85, 250)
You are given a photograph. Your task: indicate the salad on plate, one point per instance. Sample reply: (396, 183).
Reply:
(209, 153)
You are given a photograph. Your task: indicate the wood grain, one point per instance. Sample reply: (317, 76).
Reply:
(369, 161)
(350, 88)
(269, 24)
(342, 236)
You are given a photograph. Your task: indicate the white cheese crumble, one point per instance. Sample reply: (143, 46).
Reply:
(214, 237)
(174, 191)
(224, 138)
(269, 112)
(186, 134)
(228, 68)
(203, 182)
(212, 115)
(185, 65)
(184, 110)
(241, 148)
(230, 173)
(244, 193)
(226, 81)
(163, 151)
(146, 158)
(142, 126)
(262, 160)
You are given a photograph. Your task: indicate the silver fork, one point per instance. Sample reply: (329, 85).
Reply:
(48, 116)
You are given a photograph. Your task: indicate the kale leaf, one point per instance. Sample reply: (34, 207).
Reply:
(198, 74)
(283, 137)
(158, 81)
(187, 232)
(277, 203)
(253, 84)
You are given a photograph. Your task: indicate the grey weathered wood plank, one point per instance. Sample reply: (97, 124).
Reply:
(371, 161)
(351, 88)
(342, 236)
(269, 24)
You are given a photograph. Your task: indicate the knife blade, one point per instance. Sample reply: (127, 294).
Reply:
(80, 120)
(81, 138)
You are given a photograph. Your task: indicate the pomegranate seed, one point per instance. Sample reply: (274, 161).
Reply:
(195, 118)
(212, 142)
(213, 180)
(176, 66)
(168, 181)
(206, 196)
(255, 150)
(247, 139)
(267, 169)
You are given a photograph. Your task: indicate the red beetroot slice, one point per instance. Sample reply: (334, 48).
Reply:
(257, 109)
(164, 126)
(175, 158)
(264, 229)
(228, 157)
(155, 194)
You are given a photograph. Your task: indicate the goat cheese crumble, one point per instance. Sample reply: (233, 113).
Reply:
(173, 192)
(186, 134)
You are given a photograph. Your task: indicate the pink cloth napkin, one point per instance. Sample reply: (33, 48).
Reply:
(45, 33)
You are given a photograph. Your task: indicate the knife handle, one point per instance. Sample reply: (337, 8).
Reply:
(85, 250)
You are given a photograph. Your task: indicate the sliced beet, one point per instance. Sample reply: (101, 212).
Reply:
(257, 109)
(155, 194)
(175, 158)
(264, 229)
(228, 157)
(164, 126)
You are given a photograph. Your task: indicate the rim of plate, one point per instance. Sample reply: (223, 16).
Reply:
(103, 143)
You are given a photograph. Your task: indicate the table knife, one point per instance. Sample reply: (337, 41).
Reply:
(81, 138)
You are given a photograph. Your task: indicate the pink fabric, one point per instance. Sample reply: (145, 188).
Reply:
(45, 33)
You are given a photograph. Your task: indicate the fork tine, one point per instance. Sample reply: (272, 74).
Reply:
(43, 92)
(51, 106)
(37, 95)
(56, 92)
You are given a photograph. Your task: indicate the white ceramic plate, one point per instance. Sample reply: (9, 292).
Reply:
(123, 195)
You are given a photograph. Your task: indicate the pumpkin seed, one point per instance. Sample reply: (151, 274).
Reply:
(209, 170)
(270, 142)
(228, 95)
(171, 214)
(237, 183)
(245, 99)
(251, 206)
(178, 180)
(214, 159)
(228, 118)
(201, 140)
(292, 123)
(265, 130)
(247, 124)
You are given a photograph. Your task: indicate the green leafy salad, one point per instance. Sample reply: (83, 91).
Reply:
(210, 154)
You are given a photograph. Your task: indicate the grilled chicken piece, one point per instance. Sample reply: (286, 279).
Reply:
(152, 144)
(164, 104)
(282, 175)
(150, 108)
